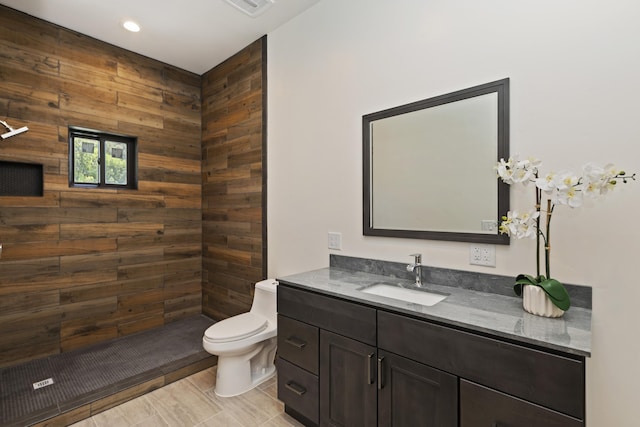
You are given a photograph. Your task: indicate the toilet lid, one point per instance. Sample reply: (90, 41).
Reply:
(236, 328)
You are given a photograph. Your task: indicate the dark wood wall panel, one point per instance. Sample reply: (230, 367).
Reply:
(234, 238)
(80, 266)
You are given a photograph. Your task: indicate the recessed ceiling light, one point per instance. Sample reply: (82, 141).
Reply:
(131, 26)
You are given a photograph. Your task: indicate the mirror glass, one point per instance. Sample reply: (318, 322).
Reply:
(428, 167)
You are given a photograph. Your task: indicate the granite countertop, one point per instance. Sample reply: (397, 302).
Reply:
(494, 314)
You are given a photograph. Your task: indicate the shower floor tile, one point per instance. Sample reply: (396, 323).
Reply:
(85, 375)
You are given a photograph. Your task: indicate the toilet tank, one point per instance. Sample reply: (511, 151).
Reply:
(264, 299)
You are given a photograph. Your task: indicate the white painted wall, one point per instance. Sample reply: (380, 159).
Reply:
(575, 84)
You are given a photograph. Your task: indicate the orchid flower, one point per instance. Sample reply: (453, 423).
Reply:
(562, 188)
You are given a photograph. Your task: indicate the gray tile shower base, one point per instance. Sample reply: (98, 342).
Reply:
(88, 374)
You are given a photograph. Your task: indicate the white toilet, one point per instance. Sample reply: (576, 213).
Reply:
(245, 344)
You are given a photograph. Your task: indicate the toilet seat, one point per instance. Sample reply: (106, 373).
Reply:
(236, 328)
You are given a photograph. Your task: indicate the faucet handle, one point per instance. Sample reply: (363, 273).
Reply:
(418, 258)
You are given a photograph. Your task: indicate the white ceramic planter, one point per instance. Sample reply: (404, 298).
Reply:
(536, 301)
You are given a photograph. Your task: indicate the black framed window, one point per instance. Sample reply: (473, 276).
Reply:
(102, 160)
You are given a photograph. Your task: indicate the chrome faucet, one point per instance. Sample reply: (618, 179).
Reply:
(416, 267)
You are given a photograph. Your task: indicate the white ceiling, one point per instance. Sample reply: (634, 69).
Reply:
(195, 35)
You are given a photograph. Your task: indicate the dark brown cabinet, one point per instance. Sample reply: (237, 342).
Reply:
(356, 378)
(299, 390)
(483, 407)
(298, 343)
(348, 392)
(333, 341)
(412, 394)
(347, 364)
(297, 365)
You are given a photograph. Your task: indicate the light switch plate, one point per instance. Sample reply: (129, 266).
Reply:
(335, 240)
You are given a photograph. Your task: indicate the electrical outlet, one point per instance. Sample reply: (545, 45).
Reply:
(334, 240)
(482, 255)
(488, 225)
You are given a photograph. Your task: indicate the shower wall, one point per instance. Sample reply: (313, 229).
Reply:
(233, 181)
(81, 266)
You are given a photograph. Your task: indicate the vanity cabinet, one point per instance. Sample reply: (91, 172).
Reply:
(414, 394)
(342, 363)
(333, 341)
(482, 406)
(534, 376)
(297, 365)
(348, 392)
(354, 383)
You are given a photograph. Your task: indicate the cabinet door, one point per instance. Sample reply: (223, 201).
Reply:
(347, 382)
(412, 394)
(483, 407)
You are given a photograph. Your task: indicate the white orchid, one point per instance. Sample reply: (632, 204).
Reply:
(515, 171)
(566, 180)
(505, 170)
(599, 180)
(592, 172)
(562, 188)
(566, 190)
(547, 183)
(592, 189)
(520, 225)
(570, 196)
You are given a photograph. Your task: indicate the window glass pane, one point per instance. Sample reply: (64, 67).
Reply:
(85, 161)
(115, 170)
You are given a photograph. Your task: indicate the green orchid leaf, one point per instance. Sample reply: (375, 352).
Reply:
(521, 280)
(557, 293)
(553, 288)
(525, 279)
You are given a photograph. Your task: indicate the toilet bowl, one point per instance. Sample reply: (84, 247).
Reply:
(245, 344)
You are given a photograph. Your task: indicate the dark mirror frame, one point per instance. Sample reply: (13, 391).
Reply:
(501, 87)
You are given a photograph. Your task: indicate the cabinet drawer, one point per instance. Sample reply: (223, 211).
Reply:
(481, 406)
(298, 389)
(298, 343)
(342, 317)
(553, 381)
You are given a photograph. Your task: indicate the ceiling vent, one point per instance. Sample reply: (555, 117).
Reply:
(252, 8)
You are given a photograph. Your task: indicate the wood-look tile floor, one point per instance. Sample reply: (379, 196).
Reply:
(191, 402)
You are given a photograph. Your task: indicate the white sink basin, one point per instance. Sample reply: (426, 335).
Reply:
(404, 294)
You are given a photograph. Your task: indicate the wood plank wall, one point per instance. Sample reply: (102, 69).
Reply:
(80, 266)
(233, 196)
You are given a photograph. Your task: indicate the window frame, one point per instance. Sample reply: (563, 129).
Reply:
(102, 137)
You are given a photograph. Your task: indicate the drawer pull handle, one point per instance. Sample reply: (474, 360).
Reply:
(370, 368)
(296, 342)
(380, 373)
(296, 388)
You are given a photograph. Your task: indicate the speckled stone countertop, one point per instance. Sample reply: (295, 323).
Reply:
(490, 313)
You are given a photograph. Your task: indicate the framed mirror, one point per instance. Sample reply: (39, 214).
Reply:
(428, 167)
